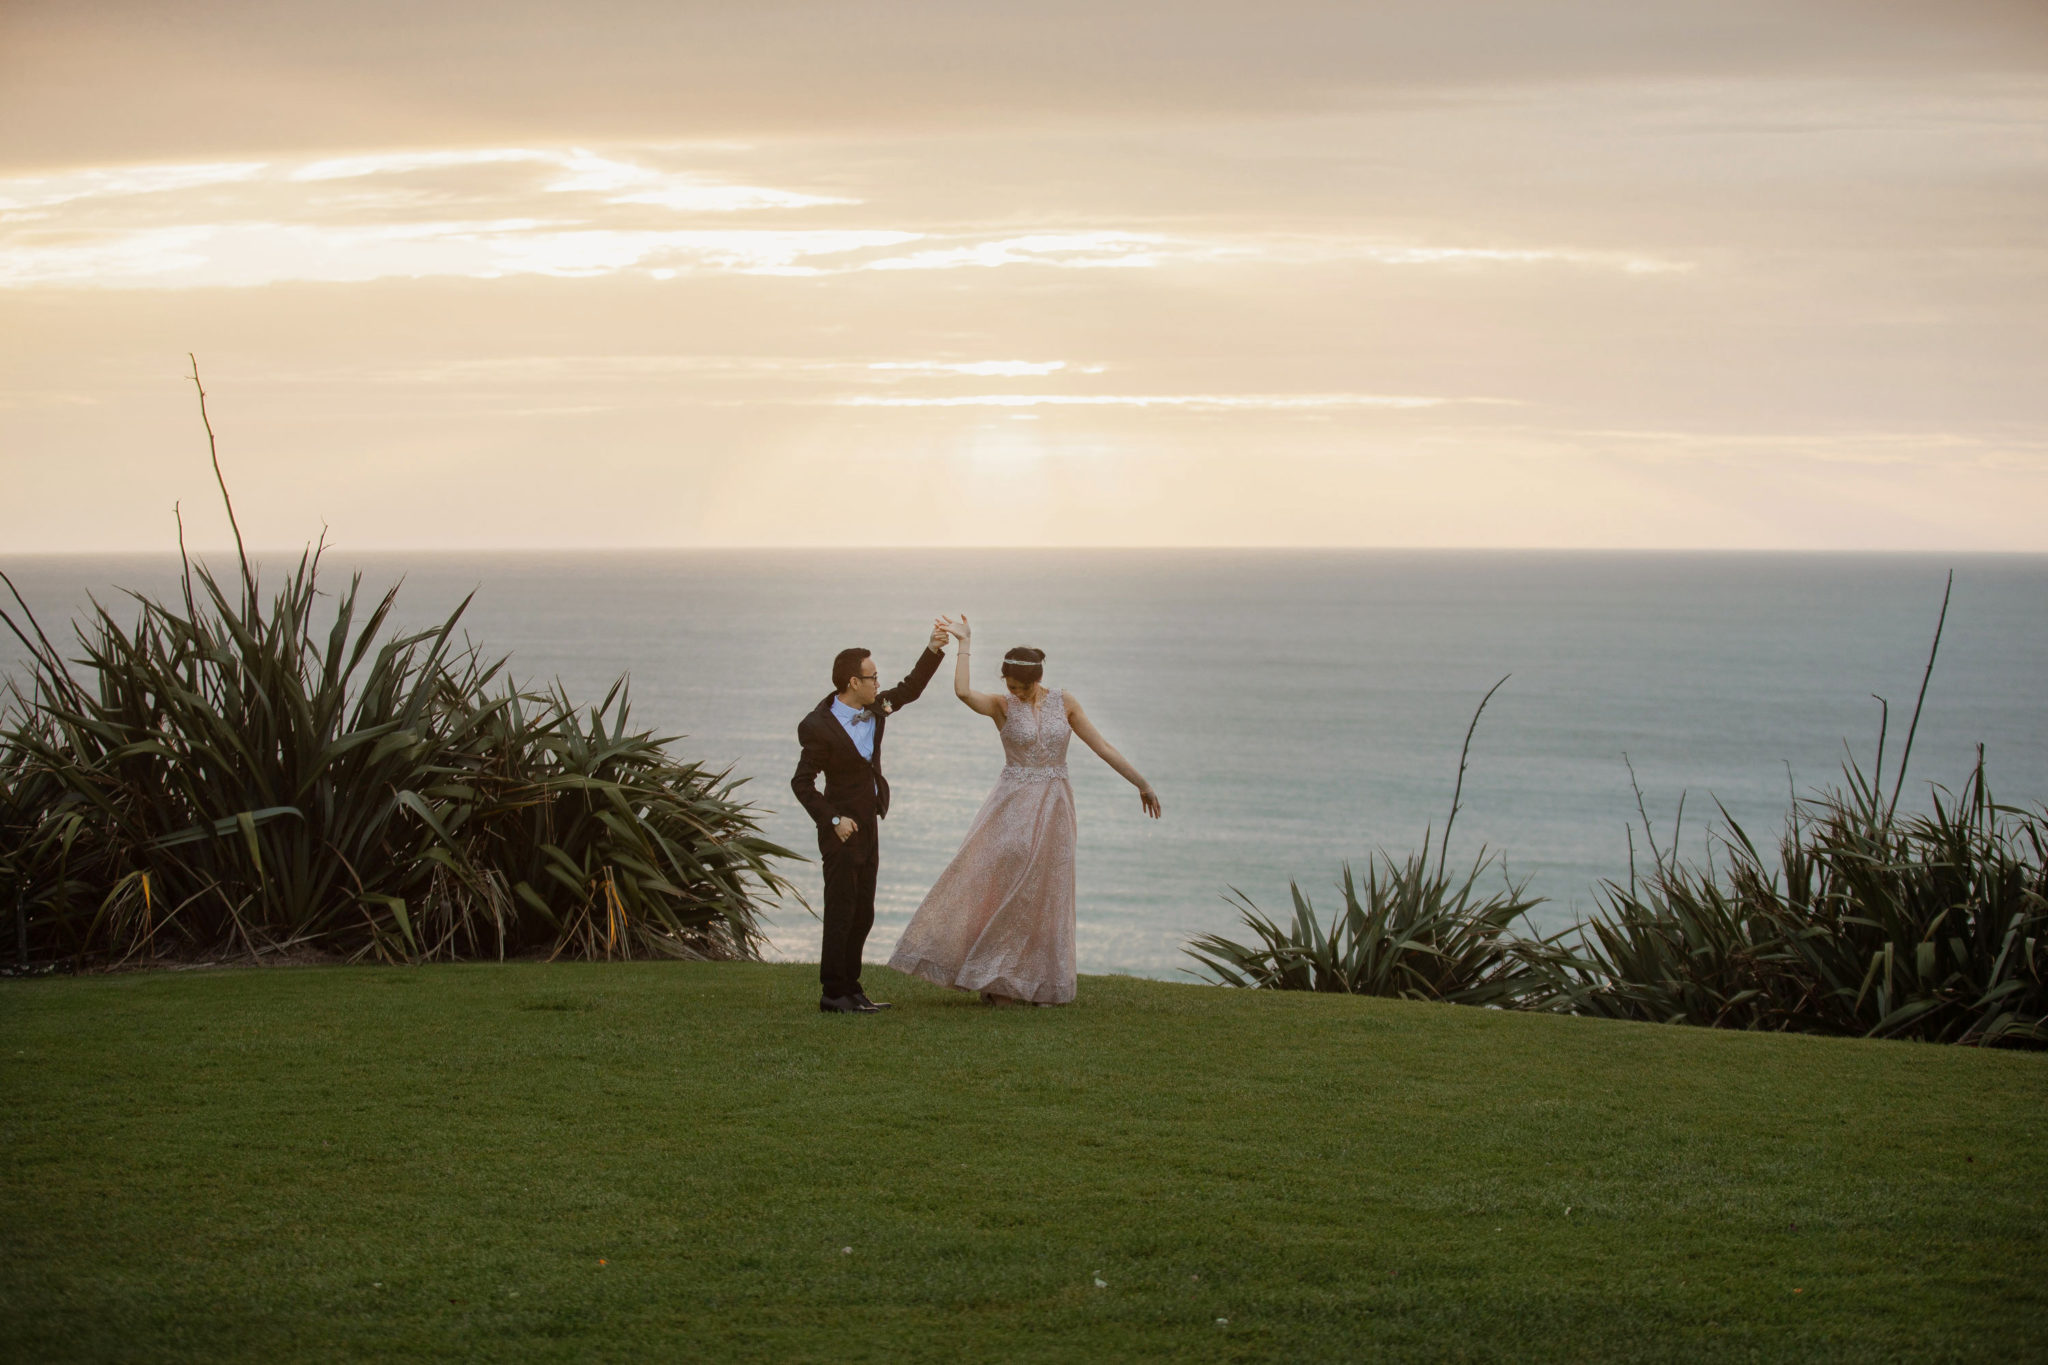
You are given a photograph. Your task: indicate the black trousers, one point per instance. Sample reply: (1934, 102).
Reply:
(849, 908)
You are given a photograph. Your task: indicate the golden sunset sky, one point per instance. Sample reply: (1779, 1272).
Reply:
(1717, 273)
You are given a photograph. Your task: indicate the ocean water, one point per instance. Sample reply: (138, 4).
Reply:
(1295, 710)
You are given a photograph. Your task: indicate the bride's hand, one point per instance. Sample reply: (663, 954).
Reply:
(958, 629)
(1149, 799)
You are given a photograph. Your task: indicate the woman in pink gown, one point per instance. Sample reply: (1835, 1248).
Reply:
(1000, 918)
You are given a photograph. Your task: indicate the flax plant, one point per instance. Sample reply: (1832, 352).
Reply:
(230, 774)
(1409, 931)
(1931, 927)
(1861, 921)
(1869, 923)
(1866, 922)
(1415, 932)
(224, 777)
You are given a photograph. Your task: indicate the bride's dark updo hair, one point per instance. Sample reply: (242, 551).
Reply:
(1025, 664)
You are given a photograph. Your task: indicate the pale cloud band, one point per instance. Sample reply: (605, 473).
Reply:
(25, 197)
(1004, 369)
(579, 171)
(1218, 401)
(568, 213)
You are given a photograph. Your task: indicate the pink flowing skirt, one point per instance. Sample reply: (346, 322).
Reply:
(1001, 916)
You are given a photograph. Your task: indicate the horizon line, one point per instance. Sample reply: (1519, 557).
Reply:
(833, 547)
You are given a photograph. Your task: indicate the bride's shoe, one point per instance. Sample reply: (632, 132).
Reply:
(999, 1000)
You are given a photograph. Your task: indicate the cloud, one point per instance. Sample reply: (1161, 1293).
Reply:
(987, 368)
(1081, 250)
(275, 189)
(611, 180)
(148, 258)
(570, 212)
(405, 163)
(247, 254)
(527, 370)
(1141, 250)
(1212, 401)
(1456, 255)
(48, 191)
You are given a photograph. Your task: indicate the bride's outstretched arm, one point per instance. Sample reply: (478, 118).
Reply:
(1092, 737)
(987, 703)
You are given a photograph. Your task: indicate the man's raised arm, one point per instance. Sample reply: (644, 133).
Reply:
(912, 687)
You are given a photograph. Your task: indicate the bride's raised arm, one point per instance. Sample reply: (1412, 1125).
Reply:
(989, 704)
(1092, 737)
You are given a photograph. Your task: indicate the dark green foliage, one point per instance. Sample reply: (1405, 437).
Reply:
(1416, 934)
(1873, 923)
(1932, 926)
(1866, 922)
(32, 874)
(1925, 926)
(227, 776)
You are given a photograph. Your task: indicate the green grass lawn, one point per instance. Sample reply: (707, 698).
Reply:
(578, 1162)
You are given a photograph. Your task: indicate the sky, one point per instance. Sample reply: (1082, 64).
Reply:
(1550, 273)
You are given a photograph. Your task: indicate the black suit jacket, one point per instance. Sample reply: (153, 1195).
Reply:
(853, 785)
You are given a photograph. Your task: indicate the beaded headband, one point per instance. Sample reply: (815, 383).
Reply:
(1022, 662)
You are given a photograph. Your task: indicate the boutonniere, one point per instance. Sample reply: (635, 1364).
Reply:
(884, 705)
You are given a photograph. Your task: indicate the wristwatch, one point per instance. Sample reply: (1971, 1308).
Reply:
(836, 819)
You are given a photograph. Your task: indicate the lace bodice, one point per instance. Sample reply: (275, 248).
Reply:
(1035, 737)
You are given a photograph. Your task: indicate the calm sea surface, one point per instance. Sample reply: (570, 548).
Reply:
(1295, 709)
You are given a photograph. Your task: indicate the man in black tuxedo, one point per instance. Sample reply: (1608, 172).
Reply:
(842, 738)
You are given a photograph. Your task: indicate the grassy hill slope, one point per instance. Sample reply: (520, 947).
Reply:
(577, 1162)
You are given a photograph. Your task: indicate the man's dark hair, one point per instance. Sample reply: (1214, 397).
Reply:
(1025, 664)
(846, 667)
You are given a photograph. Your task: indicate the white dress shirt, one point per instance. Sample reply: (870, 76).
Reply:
(859, 726)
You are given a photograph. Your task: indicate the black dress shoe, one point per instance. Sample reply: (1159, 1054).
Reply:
(845, 1004)
(862, 996)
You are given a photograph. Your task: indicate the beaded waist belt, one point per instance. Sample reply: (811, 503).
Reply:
(1033, 774)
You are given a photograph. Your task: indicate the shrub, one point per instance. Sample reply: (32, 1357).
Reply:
(1416, 933)
(1925, 926)
(1867, 922)
(228, 776)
